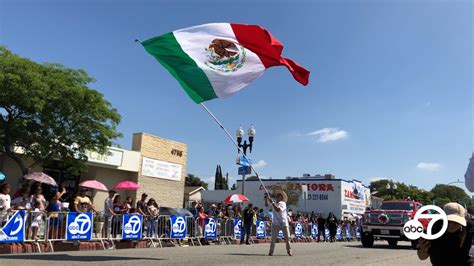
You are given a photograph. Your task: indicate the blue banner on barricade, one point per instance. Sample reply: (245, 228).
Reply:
(178, 226)
(314, 230)
(298, 230)
(326, 232)
(261, 229)
(358, 233)
(132, 226)
(339, 233)
(14, 229)
(348, 232)
(280, 234)
(79, 226)
(210, 230)
(237, 228)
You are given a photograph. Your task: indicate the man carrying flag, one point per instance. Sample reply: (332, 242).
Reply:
(279, 220)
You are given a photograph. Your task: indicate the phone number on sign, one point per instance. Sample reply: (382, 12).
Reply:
(318, 197)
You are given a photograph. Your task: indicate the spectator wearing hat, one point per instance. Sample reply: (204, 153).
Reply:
(452, 248)
(109, 212)
(82, 203)
(279, 220)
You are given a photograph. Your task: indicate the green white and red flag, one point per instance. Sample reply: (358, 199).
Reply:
(217, 60)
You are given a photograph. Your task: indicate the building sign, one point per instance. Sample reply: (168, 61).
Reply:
(160, 169)
(112, 157)
(355, 197)
(177, 152)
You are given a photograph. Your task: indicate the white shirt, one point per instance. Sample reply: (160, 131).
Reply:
(280, 218)
(5, 202)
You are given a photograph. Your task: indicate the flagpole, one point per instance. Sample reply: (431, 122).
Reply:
(237, 145)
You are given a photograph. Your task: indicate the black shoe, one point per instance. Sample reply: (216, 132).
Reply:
(247, 243)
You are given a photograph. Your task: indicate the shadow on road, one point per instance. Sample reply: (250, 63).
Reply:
(65, 257)
(381, 246)
(247, 254)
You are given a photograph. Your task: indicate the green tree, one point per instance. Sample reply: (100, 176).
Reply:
(217, 179)
(194, 181)
(48, 112)
(226, 187)
(446, 193)
(403, 191)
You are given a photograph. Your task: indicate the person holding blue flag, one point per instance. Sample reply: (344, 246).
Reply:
(279, 221)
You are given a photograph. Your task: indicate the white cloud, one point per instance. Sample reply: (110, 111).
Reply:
(429, 166)
(329, 134)
(260, 164)
(373, 179)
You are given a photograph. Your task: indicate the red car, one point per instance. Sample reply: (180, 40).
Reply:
(387, 222)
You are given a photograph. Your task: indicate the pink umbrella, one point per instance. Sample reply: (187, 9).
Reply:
(42, 178)
(127, 185)
(94, 184)
(235, 198)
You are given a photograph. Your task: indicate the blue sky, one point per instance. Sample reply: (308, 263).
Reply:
(390, 93)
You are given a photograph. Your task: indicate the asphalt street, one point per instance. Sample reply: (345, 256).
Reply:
(340, 253)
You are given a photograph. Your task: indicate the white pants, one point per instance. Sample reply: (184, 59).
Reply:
(286, 235)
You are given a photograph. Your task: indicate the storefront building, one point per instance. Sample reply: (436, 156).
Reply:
(158, 165)
(321, 195)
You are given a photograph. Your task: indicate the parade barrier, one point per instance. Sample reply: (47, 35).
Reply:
(39, 229)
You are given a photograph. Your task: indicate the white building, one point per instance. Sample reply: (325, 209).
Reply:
(324, 194)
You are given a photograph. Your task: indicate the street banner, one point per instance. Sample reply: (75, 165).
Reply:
(339, 233)
(237, 228)
(14, 229)
(79, 226)
(326, 232)
(298, 230)
(280, 234)
(178, 227)
(261, 229)
(210, 229)
(314, 230)
(132, 226)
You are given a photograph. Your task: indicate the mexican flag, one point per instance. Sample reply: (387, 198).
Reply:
(217, 60)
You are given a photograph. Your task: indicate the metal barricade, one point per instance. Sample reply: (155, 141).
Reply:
(56, 228)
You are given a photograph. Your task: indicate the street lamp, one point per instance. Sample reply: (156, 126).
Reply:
(391, 188)
(240, 134)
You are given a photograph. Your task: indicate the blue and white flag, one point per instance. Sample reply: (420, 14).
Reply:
(314, 230)
(357, 233)
(210, 230)
(132, 226)
(280, 234)
(178, 226)
(261, 229)
(79, 226)
(14, 229)
(237, 228)
(298, 230)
